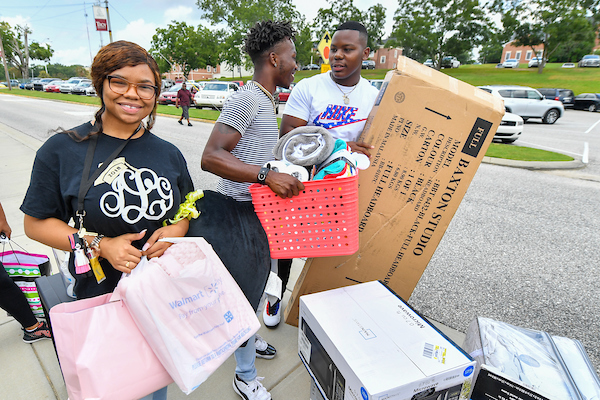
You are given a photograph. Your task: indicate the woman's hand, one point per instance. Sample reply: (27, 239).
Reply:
(119, 251)
(154, 248)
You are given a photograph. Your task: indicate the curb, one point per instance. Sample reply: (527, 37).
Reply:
(534, 165)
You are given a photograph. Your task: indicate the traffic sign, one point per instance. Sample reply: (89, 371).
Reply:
(324, 47)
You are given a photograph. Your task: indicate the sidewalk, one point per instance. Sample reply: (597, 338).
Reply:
(31, 371)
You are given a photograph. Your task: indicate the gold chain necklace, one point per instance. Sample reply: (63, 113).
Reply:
(344, 95)
(265, 91)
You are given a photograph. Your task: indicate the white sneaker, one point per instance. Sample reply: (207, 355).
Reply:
(263, 349)
(253, 390)
(272, 314)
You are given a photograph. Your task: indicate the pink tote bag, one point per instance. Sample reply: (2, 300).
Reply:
(102, 353)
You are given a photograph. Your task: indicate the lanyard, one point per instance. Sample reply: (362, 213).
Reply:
(86, 179)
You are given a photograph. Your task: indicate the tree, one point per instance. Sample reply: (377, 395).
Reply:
(555, 24)
(240, 17)
(304, 45)
(373, 19)
(436, 28)
(186, 46)
(14, 47)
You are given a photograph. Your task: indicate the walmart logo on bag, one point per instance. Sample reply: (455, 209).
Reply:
(228, 316)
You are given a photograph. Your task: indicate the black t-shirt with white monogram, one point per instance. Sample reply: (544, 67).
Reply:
(141, 188)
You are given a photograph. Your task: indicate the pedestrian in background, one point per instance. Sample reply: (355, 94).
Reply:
(13, 301)
(185, 99)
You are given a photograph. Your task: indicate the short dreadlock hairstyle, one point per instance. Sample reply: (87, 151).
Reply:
(264, 36)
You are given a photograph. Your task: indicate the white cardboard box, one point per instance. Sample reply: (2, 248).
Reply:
(363, 342)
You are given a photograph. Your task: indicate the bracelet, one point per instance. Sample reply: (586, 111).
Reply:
(187, 209)
(95, 245)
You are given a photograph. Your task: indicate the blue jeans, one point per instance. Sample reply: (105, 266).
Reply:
(160, 394)
(245, 358)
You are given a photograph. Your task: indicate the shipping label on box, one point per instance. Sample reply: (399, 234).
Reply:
(430, 133)
(378, 348)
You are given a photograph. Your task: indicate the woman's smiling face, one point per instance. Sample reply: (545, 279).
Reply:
(128, 108)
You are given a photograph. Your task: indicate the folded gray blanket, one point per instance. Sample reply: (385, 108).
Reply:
(305, 145)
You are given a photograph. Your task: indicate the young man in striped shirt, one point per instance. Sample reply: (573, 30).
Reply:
(240, 144)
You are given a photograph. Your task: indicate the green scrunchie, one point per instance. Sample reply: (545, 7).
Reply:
(187, 209)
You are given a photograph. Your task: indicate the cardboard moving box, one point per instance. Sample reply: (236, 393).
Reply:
(430, 133)
(378, 348)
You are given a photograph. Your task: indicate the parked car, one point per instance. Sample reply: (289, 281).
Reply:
(591, 60)
(450, 62)
(510, 63)
(429, 63)
(510, 129)
(563, 95)
(3, 85)
(311, 67)
(527, 102)
(39, 84)
(568, 65)
(85, 88)
(534, 62)
(170, 95)
(71, 83)
(53, 87)
(29, 85)
(239, 83)
(166, 83)
(368, 64)
(587, 101)
(283, 93)
(214, 94)
(377, 83)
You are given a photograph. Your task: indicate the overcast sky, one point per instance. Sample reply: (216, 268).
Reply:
(73, 36)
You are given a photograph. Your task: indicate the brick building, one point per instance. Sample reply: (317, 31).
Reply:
(521, 53)
(386, 58)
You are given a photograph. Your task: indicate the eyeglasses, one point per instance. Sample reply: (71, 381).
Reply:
(121, 86)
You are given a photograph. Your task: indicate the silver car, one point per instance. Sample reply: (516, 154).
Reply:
(591, 60)
(527, 102)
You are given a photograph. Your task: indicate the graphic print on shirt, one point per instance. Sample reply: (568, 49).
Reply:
(154, 194)
(336, 115)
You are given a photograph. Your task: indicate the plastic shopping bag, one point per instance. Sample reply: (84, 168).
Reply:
(102, 353)
(190, 310)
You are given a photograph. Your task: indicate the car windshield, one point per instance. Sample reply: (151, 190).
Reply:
(221, 87)
(591, 56)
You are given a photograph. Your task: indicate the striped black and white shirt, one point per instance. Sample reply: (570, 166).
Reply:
(250, 112)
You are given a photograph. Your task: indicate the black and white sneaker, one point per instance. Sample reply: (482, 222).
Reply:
(264, 349)
(253, 390)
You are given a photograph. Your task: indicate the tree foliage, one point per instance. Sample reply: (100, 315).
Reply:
(14, 47)
(240, 16)
(558, 25)
(437, 28)
(186, 46)
(373, 19)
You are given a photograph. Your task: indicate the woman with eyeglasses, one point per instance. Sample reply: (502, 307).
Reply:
(112, 176)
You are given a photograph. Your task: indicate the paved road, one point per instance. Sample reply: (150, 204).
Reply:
(522, 248)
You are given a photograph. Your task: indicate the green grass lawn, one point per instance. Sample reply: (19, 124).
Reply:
(511, 152)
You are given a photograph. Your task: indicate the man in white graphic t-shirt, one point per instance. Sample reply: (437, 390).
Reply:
(340, 101)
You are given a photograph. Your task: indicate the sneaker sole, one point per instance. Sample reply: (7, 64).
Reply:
(35, 340)
(265, 356)
(271, 326)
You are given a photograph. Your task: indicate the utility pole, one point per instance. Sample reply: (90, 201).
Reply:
(4, 61)
(108, 21)
(25, 32)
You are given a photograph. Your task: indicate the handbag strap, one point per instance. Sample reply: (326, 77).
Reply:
(4, 239)
(86, 179)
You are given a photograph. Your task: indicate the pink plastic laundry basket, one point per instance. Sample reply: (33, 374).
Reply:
(322, 221)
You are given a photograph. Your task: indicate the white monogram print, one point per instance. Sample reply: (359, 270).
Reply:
(142, 183)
